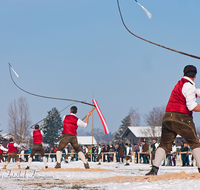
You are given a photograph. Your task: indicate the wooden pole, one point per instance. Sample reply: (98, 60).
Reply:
(92, 118)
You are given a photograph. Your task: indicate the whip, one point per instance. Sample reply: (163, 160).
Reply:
(183, 53)
(41, 96)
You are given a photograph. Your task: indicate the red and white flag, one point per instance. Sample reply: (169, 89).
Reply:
(101, 116)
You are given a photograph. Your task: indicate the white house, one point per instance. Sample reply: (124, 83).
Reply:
(86, 140)
(135, 134)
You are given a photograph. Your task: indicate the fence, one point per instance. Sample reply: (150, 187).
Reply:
(165, 159)
(133, 155)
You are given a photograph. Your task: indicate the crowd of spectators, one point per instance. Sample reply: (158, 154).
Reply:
(145, 153)
(142, 152)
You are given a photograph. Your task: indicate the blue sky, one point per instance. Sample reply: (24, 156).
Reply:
(72, 48)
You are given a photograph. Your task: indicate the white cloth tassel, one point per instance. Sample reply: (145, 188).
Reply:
(146, 11)
(15, 72)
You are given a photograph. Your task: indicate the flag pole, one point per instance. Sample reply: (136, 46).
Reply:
(92, 119)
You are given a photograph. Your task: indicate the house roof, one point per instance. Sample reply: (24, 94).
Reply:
(145, 131)
(7, 136)
(86, 140)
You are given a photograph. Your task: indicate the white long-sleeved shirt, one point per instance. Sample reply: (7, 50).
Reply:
(79, 122)
(189, 91)
(4, 149)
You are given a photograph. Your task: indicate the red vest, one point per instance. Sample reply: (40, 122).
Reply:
(37, 137)
(1, 151)
(177, 101)
(11, 148)
(70, 125)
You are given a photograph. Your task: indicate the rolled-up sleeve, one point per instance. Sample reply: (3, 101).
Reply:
(4, 149)
(198, 92)
(81, 123)
(42, 133)
(189, 91)
(16, 145)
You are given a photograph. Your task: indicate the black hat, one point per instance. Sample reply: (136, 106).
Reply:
(190, 71)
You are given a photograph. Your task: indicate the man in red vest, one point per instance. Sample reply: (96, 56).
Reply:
(1, 151)
(37, 146)
(12, 153)
(70, 125)
(178, 118)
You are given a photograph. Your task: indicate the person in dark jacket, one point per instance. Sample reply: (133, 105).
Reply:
(145, 149)
(121, 152)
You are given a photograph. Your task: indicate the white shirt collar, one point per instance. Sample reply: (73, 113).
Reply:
(72, 114)
(189, 79)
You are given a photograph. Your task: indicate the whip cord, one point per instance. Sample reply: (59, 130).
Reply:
(47, 96)
(32, 126)
(193, 56)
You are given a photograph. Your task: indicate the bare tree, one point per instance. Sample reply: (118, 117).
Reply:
(19, 119)
(134, 117)
(155, 116)
(13, 119)
(153, 119)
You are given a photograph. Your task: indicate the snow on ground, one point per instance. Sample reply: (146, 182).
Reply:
(73, 174)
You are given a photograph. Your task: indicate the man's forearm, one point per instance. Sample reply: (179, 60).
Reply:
(197, 108)
(87, 120)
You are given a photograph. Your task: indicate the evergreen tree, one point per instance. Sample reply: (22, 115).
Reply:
(118, 135)
(52, 127)
(125, 124)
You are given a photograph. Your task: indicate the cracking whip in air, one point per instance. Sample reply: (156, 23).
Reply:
(148, 14)
(45, 96)
(95, 105)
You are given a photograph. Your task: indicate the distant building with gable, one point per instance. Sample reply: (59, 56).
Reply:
(86, 140)
(136, 134)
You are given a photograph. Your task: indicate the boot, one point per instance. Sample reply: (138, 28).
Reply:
(4, 167)
(58, 165)
(19, 167)
(86, 166)
(27, 168)
(99, 163)
(46, 167)
(153, 171)
(199, 170)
